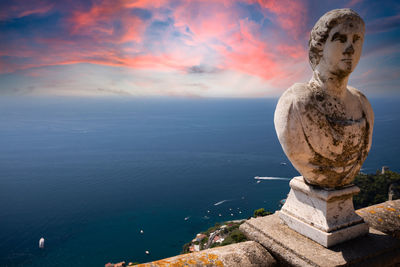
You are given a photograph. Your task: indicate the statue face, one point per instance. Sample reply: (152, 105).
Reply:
(342, 49)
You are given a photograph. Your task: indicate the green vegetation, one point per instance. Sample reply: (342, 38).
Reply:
(228, 230)
(374, 188)
(261, 212)
(212, 229)
(185, 248)
(204, 242)
(236, 236)
(232, 235)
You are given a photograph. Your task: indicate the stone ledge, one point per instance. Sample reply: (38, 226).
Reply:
(246, 254)
(293, 249)
(384, 217)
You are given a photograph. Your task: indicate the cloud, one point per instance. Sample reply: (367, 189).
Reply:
(290, 15)
(202, 31)
(200, 69)
(353, 3)
(262, 43)
(19, 9)
(107, 91)
(35, 11)
(108, 21)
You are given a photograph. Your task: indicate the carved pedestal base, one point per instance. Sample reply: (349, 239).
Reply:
(325, 216)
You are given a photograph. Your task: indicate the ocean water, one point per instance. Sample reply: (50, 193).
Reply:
(89, 174)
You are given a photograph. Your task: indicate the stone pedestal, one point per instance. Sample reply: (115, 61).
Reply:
(325, 216)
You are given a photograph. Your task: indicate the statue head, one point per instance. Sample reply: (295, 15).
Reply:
(336, 42)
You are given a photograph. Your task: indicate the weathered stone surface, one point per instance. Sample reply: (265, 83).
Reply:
(293, 249)
(384, 217)
(324, 126)
(242, 254)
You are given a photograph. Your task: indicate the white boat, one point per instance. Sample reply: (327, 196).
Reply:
(141, 231)
(41, 243)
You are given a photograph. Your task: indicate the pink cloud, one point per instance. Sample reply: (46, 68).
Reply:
(353, 3)
(293, 51)
(219, 36)
(146, 3)
(248, 54)
(238, 41)
(98, 22)
(206, 19)
(21, 8)
(290, 14)
(38, 10)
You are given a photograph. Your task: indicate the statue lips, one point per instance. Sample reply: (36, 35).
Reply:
(348, 63)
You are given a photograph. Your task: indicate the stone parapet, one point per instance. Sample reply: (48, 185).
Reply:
(384, 217)
(246, 254)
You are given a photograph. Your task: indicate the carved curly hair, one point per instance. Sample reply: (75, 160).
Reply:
(320, 32)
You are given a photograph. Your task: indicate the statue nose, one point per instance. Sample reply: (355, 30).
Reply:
(349, 50)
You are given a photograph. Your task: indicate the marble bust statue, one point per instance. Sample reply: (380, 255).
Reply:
(325, 126)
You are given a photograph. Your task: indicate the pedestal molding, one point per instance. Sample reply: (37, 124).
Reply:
(325, 216)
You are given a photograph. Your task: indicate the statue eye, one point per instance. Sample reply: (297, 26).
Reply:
(339, 37)
(356, 38)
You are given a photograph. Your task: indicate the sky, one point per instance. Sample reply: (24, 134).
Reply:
(182, 48)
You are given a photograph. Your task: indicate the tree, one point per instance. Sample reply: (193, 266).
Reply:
(261, 212)
(374, 188)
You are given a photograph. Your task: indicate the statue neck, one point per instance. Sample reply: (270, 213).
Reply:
(331, 84)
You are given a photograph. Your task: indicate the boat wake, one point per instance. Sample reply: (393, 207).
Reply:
(272, 178)
(223, 201)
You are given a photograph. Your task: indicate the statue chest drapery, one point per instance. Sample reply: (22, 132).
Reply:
(337, 140)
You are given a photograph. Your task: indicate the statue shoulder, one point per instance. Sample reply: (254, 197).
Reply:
(296, 93)
(287, 118)
(287, 109)
(365, 104)
(298, 90)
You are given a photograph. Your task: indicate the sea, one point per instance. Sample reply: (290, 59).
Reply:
(89, 174)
